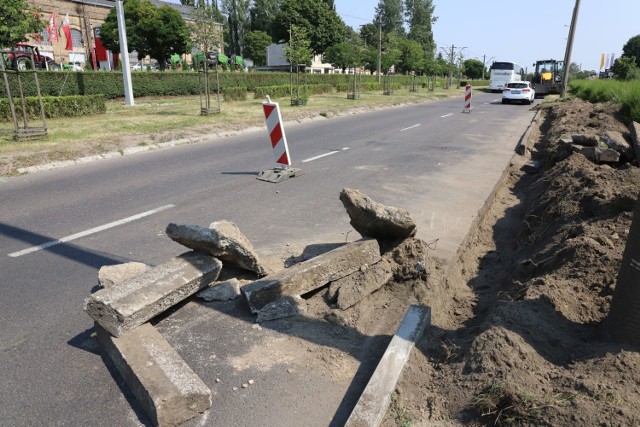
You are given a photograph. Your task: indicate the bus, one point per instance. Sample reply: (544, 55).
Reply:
(503, 73)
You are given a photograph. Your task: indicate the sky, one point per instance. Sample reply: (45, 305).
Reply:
(522, 33)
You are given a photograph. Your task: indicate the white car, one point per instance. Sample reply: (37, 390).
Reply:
(518, 91)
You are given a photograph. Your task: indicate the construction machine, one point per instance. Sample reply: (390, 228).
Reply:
(547, 77)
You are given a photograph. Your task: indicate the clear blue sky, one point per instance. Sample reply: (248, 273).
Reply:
(522, 32)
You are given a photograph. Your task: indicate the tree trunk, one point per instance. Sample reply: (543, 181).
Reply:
(623, 323)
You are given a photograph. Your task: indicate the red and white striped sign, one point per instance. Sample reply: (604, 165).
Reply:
(467, 99)
(276, 132)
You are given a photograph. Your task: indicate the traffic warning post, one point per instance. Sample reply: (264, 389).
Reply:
(467, 99)
(278, 140)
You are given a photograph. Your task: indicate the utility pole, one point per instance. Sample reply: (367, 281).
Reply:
(379, 45)
(124, 54)
(452, 56)
(567, 54)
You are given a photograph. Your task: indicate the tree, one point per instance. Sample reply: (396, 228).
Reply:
(206, 29)
(473, 68)
(237, 12)
(411, 56)
(390, 13)
(625, 68)
(255, 46)
(391, 53)
(632, 49)
(18, 20)
(344, 55)
(262, 14)
(157, 32)
(420, 17)
(298, 50)
(322, 25)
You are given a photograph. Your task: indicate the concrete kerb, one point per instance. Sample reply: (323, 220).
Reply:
(164, 385)
(376, 397)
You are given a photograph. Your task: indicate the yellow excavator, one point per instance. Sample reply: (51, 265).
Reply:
(547, 77)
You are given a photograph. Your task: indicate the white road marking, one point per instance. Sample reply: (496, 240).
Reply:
(410, 127)
(310, 159)
(91, 231)
(447, 115)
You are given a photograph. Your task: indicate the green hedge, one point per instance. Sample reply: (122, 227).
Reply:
(235, 94)
(168, 83)
(55, 106)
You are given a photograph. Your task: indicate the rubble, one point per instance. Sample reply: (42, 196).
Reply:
(288, 306)
(374, 220)
(222, 239)
(222, 291)
(166, 388)
(312, 274)
(350, 290)
(121, 308)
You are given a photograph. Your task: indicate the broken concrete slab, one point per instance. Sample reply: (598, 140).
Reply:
(312, 274)
(222, 239)
(222, 291)
(122, 308)
(166, 388)
(375, 399)
(585, 140)
(608, 155)
(616, 141)
(288, 306)
(109, 275)
(351, 289)
(375, 220)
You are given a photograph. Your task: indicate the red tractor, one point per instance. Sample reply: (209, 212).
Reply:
(20, 58)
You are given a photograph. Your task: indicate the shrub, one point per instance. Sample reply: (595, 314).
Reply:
(56, 106)
(235, 94)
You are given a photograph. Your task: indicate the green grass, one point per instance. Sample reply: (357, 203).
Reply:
(626, 93)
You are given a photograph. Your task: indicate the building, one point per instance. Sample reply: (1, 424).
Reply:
(72, 35)
(276, 60)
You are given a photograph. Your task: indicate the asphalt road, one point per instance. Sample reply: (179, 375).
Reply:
(57, 228)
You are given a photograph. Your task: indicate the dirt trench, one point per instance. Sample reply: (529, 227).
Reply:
(517, 335)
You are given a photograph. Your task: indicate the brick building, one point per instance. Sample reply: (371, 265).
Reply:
(76, 37)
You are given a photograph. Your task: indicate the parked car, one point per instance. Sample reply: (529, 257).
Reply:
(518, 91)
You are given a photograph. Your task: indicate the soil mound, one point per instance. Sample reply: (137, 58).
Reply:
(519, 338)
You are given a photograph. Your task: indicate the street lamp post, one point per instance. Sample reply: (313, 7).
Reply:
(567, 54)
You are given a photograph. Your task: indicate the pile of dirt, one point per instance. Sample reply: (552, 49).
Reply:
(519, 337)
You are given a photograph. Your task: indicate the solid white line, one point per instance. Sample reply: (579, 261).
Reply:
(447, 115)
(310, 159)
(91, 231)
(410, 127)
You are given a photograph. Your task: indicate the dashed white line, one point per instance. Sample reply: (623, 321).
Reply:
(410, 127)
(88, 232)
(447, 115)
(310, 159)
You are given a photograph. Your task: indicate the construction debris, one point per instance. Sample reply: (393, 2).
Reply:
(310, 275)
(350, 290)
(222, 291)
(222, 239)
(372, 219)
(166, 388)
(288, 306)
(121, 308)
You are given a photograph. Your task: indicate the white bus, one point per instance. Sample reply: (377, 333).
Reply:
(503, 73)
